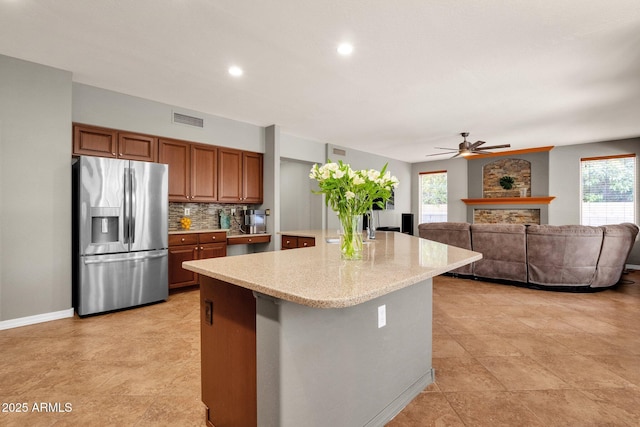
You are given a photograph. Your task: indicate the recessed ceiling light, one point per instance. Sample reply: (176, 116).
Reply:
(235, 71)
(345, 49)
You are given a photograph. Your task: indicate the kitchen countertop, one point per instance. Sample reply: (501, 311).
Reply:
(211, 230)
(317, 277)
(204, 230)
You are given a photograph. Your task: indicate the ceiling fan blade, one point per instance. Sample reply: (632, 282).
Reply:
(457, 154)
(476, 144)
(496, 146)
(450, 149)
(437, 154)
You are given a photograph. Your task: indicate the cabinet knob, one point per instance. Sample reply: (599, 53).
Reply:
(201, 248)
(196, 248)
(288, 242)
(250, 240)
(213, 238)
(304, 244)
(120, 154)
(113, 154)
(182, 240)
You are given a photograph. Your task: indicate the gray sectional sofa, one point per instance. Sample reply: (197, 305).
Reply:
(558, 257)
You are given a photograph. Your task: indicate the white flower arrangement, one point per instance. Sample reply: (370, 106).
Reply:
(353, 192)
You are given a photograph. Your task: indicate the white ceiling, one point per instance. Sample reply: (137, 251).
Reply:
(520, 72)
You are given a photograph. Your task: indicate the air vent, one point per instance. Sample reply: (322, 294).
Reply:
(188, 120)
(339, 152)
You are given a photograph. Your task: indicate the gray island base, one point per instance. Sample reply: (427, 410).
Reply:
(300, 337)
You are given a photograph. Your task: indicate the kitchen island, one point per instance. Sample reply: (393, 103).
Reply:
(300, 337)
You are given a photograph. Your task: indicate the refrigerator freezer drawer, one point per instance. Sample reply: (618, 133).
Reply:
(112, 282)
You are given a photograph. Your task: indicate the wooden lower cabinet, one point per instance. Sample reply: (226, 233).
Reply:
(228, 353)
(248, 240)
(294, 242)
(189, 247)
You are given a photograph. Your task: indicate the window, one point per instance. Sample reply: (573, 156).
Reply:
(608, 189)
(433, 196)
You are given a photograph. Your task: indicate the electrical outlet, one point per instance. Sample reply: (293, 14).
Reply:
(382, 316)
(187, 211)
(233, 211)
(244, 208)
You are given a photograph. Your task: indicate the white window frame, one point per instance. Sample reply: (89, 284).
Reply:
(589, 214)
(440, 216)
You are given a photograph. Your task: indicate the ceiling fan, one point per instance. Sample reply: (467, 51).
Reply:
(466, 148)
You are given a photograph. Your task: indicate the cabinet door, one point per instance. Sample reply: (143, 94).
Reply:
(213, 250)
(137, 147)
(204, 173)
(178, 276)
(229, 175)
(177, 155)
(94, 141)
(228, 353)
(252, 177)
(306, 242)
(289, 242)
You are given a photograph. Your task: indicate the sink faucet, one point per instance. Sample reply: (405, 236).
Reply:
(371, 230)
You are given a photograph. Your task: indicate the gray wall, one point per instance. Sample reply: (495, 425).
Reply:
(456, 187)
(106, 108)
(362, 160)
(539, 173)
(35, 189)
(564, 180)
(300, 209)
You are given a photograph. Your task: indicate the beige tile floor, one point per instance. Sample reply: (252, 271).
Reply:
(504, 356)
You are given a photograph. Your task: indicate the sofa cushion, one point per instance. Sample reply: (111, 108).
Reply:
(451, 233)
(563, 254)
(504, 251)
(616, 245)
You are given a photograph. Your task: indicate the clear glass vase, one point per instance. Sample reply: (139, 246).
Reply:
(351, 236)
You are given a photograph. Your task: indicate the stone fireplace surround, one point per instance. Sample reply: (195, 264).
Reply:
(489, 203)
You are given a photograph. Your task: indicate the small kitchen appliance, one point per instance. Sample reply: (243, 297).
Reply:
(255, 221)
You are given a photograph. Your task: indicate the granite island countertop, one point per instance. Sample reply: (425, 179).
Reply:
(317, 277)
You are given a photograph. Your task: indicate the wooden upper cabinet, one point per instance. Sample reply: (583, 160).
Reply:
(193, 170)
(94, 141)
(197, 172)
(252, 181)
(229, 175)
(137, 147)
(204, 173)
(102, 142)
(240, 176)
(177, 154)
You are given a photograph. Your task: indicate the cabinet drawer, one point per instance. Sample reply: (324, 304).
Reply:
(305, 242)
(213, 237)
(289, 242)
(249, 240)
(183, 239)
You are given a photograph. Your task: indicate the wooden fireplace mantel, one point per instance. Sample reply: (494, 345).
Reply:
(510, 201)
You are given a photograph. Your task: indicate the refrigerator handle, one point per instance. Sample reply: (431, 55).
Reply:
(104, 260)
(127, 204)
(132, 218)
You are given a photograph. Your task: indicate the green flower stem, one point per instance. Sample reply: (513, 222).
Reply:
(351, 239)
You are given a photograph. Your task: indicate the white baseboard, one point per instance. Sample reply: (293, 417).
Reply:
(38, 318)
(632, 267)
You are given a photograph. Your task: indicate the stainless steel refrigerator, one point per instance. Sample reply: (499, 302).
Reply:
(120, 237)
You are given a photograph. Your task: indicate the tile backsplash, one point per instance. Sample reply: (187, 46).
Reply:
(205, 215)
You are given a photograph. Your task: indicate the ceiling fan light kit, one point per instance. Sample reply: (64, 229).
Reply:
(466, 148)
